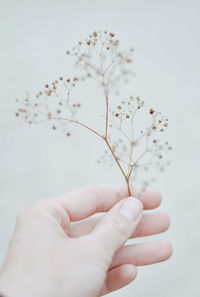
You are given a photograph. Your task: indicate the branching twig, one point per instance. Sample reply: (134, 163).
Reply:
(100, 59)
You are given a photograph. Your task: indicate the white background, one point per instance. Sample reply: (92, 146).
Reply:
(35, 163)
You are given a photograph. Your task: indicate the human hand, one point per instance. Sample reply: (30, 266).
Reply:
(50, 256)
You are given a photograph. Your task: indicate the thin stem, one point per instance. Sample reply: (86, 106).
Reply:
(135, 163)
(110, 65)
(128, 187)
(106, 96)
(105, 89)
(114, 156)
(101, 136)
(92, 130)
(132, 142)
(72, 121)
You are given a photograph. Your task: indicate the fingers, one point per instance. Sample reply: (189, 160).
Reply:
(114, 229)
(150, 223)
(119, 277)
(143, 254)
(85, 202)
(122, 269)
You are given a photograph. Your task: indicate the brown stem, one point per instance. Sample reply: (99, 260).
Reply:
(128, 186)
(106, 96)
(71, 121)
(106, 116)
(83, 125)
(106, 141)
(111, 150)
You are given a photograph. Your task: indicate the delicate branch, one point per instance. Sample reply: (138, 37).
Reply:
(101, 60)
(106, 96)
(71, 121)
(116, 159)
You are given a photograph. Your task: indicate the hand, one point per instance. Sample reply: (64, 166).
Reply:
(49, 256)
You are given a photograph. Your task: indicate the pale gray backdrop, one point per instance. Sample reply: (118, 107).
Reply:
(35, 163)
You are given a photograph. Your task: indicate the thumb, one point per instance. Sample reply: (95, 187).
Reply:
(118, 224)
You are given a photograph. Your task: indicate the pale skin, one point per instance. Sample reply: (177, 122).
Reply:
(51, 256)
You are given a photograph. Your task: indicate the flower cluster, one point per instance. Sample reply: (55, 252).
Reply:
(130, 146)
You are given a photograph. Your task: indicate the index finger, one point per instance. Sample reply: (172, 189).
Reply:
(84, 202)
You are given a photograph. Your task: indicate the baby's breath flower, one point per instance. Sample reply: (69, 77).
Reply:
(99, 58)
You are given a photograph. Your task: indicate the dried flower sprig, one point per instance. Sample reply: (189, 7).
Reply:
(99, 58)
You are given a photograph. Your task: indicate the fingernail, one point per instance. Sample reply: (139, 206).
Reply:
(131, 208)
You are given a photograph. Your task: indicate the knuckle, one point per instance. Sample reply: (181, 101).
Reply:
(30, 210)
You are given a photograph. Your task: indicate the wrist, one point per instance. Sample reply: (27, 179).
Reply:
(6, 287)
(15, 286)
(24, 285)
